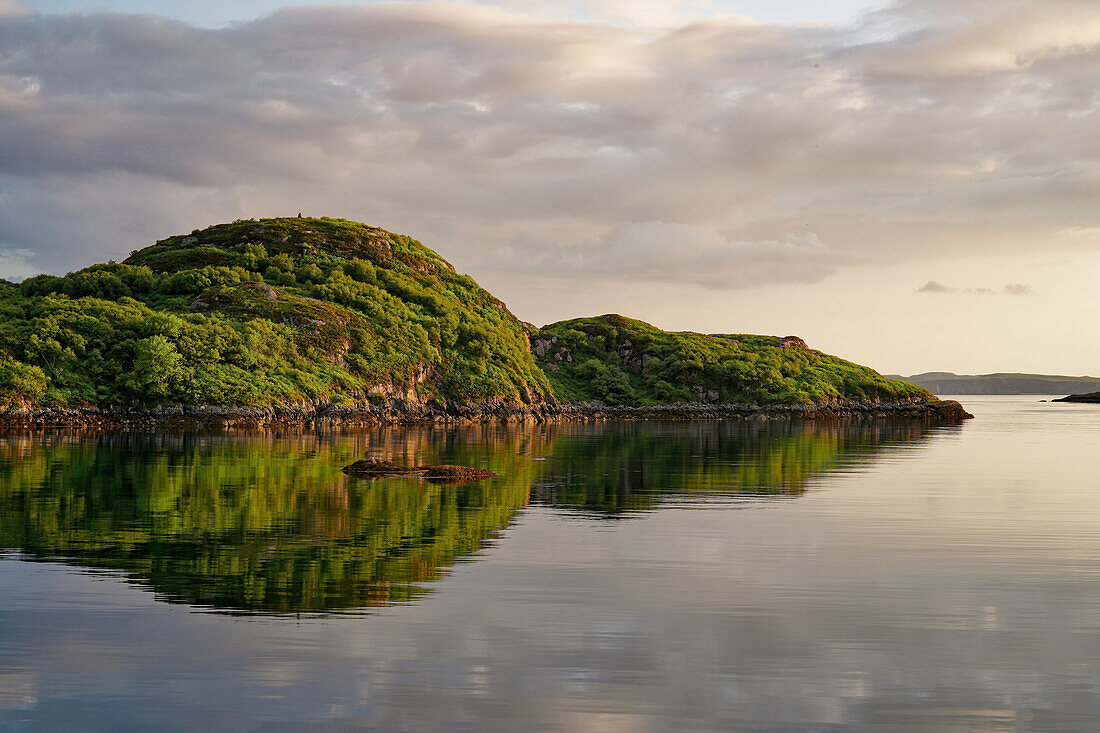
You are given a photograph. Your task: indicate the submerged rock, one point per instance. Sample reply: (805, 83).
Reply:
(436, 472)
(378, 467)
(444, 473)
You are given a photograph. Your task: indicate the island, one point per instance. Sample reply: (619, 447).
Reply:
(307, 320)
(1088, 398)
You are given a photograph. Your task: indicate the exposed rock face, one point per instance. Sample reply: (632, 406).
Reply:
(378, 411)
(792, 342)
(554, 351)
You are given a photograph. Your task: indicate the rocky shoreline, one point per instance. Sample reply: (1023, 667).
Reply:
(397, 411)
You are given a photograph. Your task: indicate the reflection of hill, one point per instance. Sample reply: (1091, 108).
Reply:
(242, 523)
(619, 467)
(267, 523)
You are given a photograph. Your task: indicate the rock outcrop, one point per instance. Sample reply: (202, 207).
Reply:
(385, 411)
(441, 473)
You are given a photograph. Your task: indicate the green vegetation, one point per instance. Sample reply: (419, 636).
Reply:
(279, 311)
(627, 362)
(268, 311)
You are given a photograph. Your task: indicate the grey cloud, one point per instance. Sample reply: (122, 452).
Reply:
(935, 287)
(909, 136)
(959, 38)
(659, 251)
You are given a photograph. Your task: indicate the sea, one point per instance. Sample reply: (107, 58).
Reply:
(756, 575)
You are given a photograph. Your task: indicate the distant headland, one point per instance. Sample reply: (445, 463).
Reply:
(942, 383)
(1092, 398)
(299, 320)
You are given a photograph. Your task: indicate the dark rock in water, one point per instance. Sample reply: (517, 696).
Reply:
(455, 474)
(378, 467)
(440, 473)
(1090, 397)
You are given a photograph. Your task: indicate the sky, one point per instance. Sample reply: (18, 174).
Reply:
(911, 185)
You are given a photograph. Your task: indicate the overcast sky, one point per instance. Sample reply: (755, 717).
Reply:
(912, 185)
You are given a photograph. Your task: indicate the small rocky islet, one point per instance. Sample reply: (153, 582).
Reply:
(319, 320)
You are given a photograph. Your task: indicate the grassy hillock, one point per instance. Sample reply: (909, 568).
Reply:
(627, 362)
(279, 311)
(265, 311)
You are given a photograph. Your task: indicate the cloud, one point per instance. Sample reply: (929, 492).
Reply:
(15, 264)
(931, 130)
(1080, 233)
(658, 251)
(935, 287)
(13, 9)
(959, 38)
(938, 288)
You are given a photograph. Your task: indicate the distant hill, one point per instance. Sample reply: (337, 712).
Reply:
(942, 383)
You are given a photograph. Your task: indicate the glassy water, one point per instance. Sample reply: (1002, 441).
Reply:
(882, 575)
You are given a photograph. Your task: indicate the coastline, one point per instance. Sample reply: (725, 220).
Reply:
(1089, 398)
(398, 412)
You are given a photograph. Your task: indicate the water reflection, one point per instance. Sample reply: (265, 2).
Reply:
(267, 523)
(613, 469)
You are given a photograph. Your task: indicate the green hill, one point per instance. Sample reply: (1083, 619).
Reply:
(328, 311)
(624, 361)
(268, 311)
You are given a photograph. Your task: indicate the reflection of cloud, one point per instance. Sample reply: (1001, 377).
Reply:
(17, 690)
(1018, 289)
(665, 252)
(467, 124)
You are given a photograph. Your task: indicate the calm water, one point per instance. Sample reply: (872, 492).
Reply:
(619, 577)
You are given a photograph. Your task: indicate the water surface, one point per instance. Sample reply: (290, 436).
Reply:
(877, 575)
